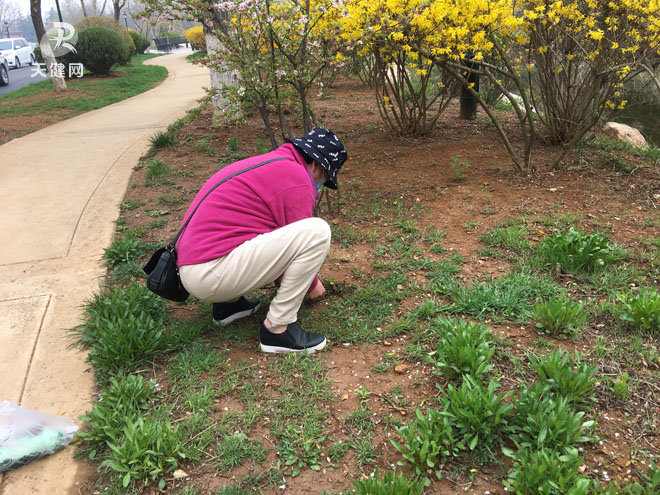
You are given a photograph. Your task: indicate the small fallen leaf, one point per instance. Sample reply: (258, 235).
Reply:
(179, 473)
(344, 397)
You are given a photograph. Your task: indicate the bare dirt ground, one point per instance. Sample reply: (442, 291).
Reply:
(386, 172)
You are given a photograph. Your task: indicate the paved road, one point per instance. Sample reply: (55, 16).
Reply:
(60, 190)
(21, 77)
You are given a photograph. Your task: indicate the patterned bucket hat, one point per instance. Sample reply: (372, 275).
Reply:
(321, 145)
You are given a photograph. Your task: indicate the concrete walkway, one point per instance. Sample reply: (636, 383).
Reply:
(60, 190)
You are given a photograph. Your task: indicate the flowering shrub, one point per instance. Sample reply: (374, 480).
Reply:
(276, 50)
(566, 60)
(412, 90)
(196, 36)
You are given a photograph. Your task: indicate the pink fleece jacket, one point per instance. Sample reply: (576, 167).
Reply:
(252, 203)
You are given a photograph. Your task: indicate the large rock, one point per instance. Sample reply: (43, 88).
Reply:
(623, 132)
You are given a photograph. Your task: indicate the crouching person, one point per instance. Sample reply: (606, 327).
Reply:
(258, 227)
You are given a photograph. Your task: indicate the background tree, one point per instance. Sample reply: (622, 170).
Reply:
(10, 13)
(46, 50)
(118, 5)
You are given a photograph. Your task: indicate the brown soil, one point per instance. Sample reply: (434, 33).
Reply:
(384, 173)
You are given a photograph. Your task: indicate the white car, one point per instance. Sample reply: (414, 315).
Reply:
(17, 51)
(4, 71)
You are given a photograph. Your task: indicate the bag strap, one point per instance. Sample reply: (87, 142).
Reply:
(172, 245)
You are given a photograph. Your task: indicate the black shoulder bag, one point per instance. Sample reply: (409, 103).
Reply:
(161, 269)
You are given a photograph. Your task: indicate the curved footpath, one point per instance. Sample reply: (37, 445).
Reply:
(60, 191)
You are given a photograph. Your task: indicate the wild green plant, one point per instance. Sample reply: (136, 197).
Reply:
(364, 450)
(442, 277)
(233, 144)
(123, 257)
(122, 400)
(161, 140)
(510, 295)
(650, 480)
(360, 419)
(511, 237)
(366, 307)
(459, 168)
(546, 472)
(622, 387)
(145, 449)
(113, 304)
(199, 434)
(478, 415)
(124, 343)
(463, 348)
(427, 442)
(559, 315)
(640, 311)
(545, 422)
(392, 483)
(567, 376)
(130, 205)
(614, 278)
(195, 359)
(338, 449)
(157, 170)
(234, 449)
(262, 146)
(299, 446)
(576, 251)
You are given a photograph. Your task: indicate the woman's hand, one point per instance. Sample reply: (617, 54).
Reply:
(316, 292)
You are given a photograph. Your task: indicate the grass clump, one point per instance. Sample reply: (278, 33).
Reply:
(427, 442)
(161, 140)
(145, 449)
(559, 315)
(544, 422)
(196, 359)
(112, 304)
(478, 415)
(124, 343)
(391, 483)
(122, 328)
(548, 472)
(124, 256)
(299, 446)
(566, 376)
(236, 448)
(123, 400)
(512, 238)
(157, 171)
(577, 252)
(463, 348)
(641, 311)
(510, 296)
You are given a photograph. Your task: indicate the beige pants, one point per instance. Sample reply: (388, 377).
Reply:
(295, 252)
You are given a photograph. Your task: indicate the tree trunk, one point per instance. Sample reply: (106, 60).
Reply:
(219, 79)
(46, 50)
(84, 9)
(117, 7)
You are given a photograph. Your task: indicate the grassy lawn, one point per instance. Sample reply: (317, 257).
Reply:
(84, 94)
(487, 333)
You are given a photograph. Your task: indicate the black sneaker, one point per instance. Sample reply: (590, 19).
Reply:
(293, 339)
(225, 313)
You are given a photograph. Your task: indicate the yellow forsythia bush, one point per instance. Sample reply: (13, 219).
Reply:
(196, 35)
